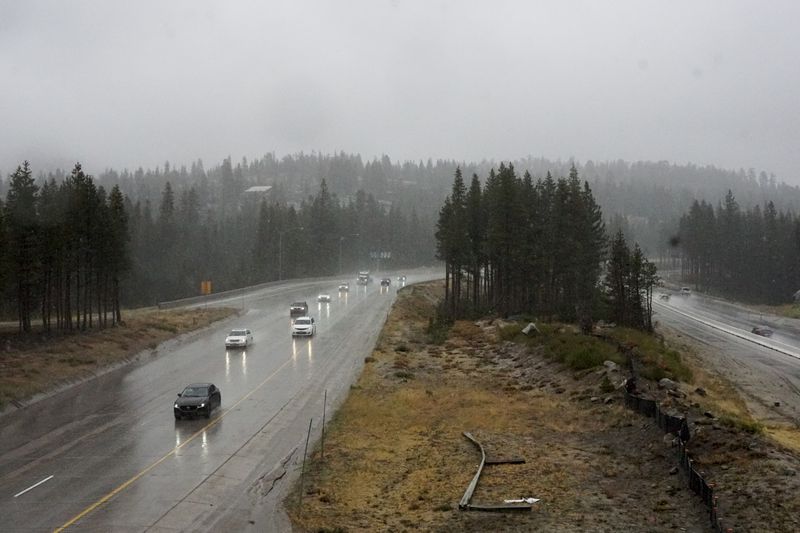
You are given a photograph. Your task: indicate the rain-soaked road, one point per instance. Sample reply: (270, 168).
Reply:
(766, 370)
(108, 455)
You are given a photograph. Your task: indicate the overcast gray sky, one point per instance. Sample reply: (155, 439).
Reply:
(124, 84)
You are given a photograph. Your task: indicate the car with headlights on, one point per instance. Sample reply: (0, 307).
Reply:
(324, 298)
(344, 287)
(303, 326)
(385, 282)
(239, 338)
(197, 399)
(298, 309)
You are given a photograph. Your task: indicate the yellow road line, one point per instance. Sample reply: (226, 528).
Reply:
(125, 485)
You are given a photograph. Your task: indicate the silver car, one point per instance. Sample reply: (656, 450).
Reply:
(303, 326)
(239, 338)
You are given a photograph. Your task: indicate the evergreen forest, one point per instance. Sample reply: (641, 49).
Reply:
(518, 246)
(750, 255)
(77, 248)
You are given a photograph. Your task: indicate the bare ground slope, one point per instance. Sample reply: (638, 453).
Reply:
(395, 458)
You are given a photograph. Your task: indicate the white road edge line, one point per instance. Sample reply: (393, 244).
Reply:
(729, 331)
(48, 478)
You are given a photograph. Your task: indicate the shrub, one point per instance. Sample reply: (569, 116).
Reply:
(438, 328)
(748, 426)
(510, 333)
(606, 386)
(585, 357)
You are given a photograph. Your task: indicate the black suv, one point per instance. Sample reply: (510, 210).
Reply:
(298, 309)
(197, 399)
(385, 282)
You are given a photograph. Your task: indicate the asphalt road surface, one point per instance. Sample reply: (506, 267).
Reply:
(107, 455)
(766, 370)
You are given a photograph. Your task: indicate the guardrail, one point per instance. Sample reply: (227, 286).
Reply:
(465, 504)
(216, 296)
(234, 292)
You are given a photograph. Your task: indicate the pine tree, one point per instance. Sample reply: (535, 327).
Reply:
(476, 235)
(616, 279)
(24, 240)
(452, 248)
(119, 258)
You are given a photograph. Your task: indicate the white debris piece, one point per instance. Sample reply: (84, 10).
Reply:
(530, 328)
(523, 500)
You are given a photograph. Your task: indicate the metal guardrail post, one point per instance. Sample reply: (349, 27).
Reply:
(464, 504)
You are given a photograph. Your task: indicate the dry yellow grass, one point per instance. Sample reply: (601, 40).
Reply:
(396, 459)
(722, 397)
(34, 364)
(785, 436)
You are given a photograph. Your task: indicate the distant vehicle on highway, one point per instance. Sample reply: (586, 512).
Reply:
(401, 279)
(344, 287)
(304, 327)
(197, 399)
(686, 291)
(764, 331)
(385, 282)
(664, 296)
(364, 278)
(239, 338)
(298, 309)
(324, 298)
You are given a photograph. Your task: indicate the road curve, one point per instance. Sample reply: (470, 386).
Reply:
(107, 455)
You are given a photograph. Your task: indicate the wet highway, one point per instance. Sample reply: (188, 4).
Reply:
(766, 370)
(108, 455)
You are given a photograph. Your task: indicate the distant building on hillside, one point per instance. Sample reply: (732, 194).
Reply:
(258, 190)
(253, 196)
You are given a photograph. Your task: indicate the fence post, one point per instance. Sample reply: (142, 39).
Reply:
(324, 404)
(303, 471)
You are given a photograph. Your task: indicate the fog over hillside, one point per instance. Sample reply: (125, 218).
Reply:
(123, 85)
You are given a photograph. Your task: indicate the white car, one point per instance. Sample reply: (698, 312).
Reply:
(303, 326)
(324, 298)
(239, 338)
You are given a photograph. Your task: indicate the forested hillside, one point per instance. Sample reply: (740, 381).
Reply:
(645, 199)
(190, 223)
(746, 254)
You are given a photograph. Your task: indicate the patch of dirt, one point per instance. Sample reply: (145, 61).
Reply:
(35, 363)
(750, 453)
(396, 459)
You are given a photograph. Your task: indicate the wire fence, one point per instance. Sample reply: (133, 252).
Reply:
(678, 426)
